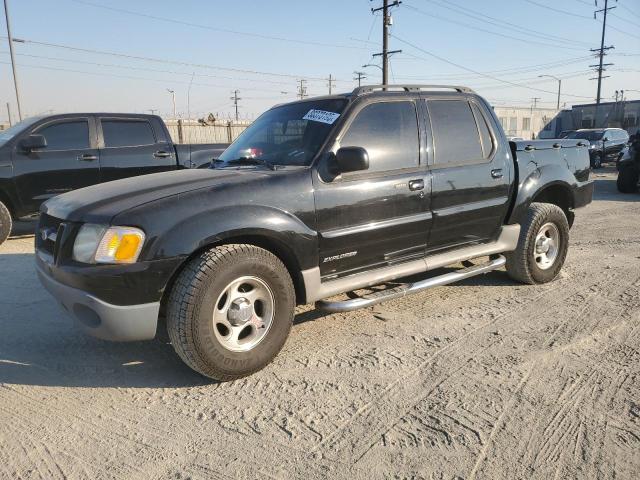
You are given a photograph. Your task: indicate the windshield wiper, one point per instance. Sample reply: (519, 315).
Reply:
(251, 161)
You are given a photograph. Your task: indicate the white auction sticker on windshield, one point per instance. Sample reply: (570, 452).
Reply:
(321, 116)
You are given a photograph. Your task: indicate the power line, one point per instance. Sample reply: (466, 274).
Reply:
(160, 60)
(490, 32)
(624, 32)
(463, 10)
(215, 29)
(507, 82)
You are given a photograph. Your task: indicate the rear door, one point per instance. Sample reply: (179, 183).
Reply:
(381, 215)
(471, 171)
(68, 162)
(133, 146)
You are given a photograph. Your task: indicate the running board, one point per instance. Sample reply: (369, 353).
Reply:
(409, 288)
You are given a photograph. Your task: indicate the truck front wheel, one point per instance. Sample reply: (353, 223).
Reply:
(542, 246)
(628, 178)
(5, 223)
(230, 311)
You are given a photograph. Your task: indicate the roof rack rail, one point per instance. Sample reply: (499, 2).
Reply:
(408, 88)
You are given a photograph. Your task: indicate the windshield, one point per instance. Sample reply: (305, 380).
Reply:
(9, 133)
(588, 135)
(287, 135)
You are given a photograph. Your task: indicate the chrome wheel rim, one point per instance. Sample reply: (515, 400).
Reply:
(546, 246)
(243, 314)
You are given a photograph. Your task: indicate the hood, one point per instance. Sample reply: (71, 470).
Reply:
(100, 203)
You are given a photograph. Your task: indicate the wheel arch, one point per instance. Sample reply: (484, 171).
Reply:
(553, 184)
(272, 244)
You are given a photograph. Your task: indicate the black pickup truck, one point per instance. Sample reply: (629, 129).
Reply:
(41, 157)
(316, 198)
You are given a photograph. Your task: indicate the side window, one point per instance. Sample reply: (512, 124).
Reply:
(485, 134)
(72, 135)
(455, 133)
(127, 133)
(389, 133)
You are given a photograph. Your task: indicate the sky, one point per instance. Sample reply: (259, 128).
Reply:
(123, 55)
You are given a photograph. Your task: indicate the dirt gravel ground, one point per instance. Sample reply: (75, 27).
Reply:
(486, 379)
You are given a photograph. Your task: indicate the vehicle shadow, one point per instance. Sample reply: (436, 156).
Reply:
(605, 188)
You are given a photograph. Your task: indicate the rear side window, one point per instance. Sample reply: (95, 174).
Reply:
(127, 133)
(66, 135)
(455, 133)
(389, 133)
(485, 134)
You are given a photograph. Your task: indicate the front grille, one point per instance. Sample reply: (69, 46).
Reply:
(48, 232)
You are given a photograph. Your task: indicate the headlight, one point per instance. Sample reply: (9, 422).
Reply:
(102, 244)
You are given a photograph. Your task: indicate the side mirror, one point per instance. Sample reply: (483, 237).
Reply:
(352, 159)
(33, 142)
(605, 139)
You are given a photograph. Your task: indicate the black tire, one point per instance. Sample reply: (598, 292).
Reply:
(521, 264)
(195, 294)
(5, 223)
(628, 178)
(596, 161)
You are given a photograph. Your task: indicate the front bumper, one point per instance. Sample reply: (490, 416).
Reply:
(101, 319)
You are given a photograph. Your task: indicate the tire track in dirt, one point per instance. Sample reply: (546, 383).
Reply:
(399, 397)
(560, 431)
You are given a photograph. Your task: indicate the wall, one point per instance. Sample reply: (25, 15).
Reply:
(526, 122)
(192, 131)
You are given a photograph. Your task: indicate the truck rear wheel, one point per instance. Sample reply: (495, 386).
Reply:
(5, 223)
(628, 178)
(230, 311)
(542, 246)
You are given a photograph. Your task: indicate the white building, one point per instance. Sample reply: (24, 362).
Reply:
(526, 122)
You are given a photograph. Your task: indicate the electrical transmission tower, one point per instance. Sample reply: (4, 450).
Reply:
(235, 99)
(302, 89)
(359, 76)
(602, 51)
(387, 21)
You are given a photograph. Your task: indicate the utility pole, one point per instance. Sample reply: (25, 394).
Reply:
(359, 76)
(387, 21)
(173, 97)
(302, 89)
(13, 60)
(9, 113)
(332, 82)
(153, 111)
(235, 99)
(602, 50)
(535, 101)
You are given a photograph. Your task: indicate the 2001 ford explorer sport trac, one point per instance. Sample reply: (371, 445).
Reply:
(316, 198)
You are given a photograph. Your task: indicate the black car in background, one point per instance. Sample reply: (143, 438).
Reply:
(605, 143)
(42, 157)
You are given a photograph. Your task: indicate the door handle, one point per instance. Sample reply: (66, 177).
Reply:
(416, 185)
(497, 173)
(87, 157)
(161, 154)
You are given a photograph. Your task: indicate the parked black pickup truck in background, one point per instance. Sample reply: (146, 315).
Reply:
(316, 198)
(45, 156)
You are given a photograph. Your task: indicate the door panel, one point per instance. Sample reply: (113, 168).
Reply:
(70, 161)
(379, 216)
(471, 174)
(131, 147)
